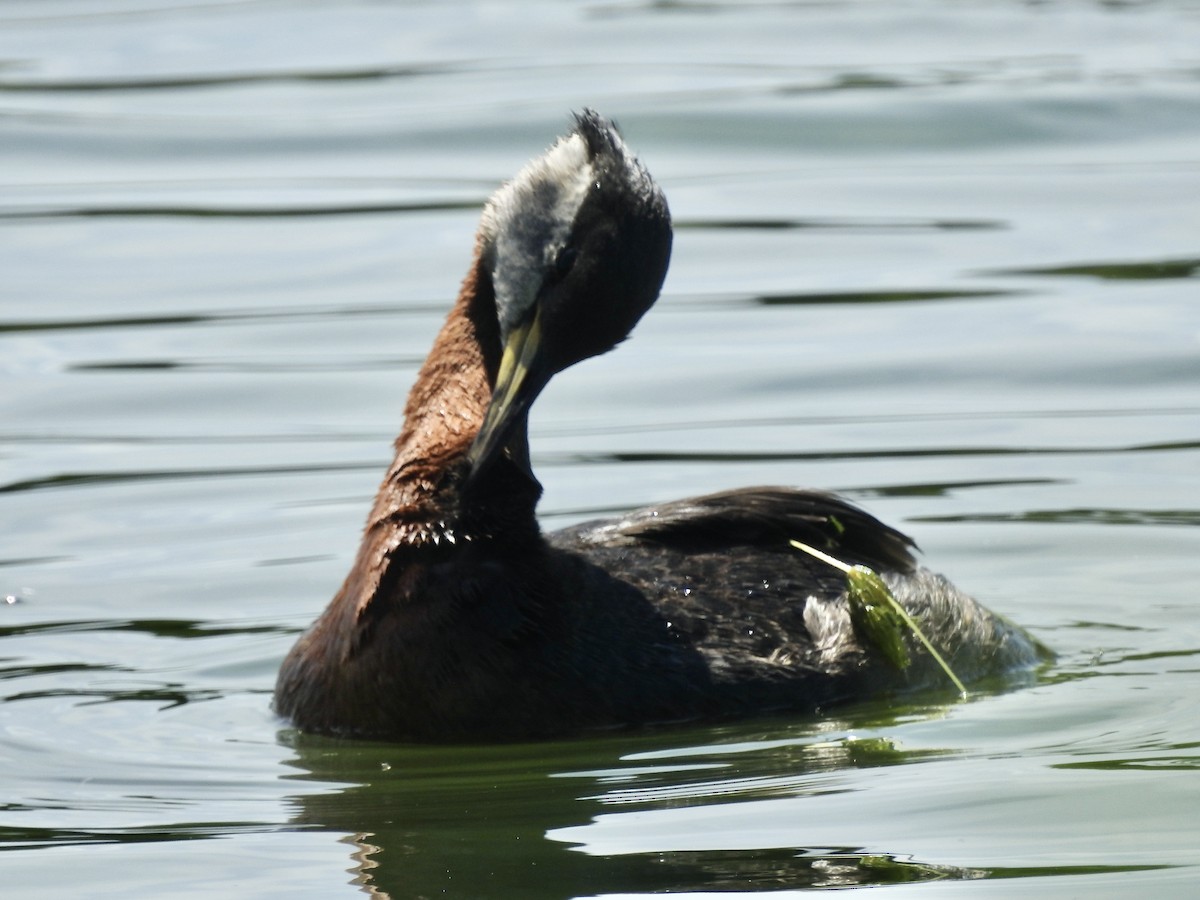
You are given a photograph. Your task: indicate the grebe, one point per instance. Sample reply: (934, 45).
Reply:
(461, 620)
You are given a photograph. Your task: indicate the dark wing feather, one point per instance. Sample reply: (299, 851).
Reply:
(761, 517)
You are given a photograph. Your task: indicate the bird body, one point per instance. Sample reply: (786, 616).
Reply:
(461, 620)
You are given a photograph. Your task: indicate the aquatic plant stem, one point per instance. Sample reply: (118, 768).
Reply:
(854, 591)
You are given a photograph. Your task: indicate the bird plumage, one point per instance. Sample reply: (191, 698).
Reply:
(460, 620)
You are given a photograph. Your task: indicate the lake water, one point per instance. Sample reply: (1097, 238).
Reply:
(943, 257)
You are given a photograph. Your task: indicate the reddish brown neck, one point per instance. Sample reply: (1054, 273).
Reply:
(445, 409)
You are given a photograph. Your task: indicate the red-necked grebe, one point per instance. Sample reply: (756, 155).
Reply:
(461, 620)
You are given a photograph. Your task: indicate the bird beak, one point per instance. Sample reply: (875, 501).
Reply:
(520, 380)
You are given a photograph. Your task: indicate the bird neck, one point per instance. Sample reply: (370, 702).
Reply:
(422, 518)
(444, 412)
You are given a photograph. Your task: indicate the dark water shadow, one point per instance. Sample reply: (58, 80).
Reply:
(867, 226)
(1078, 516)
(675, 457)
(175, 629)
(163, 696)
(942, 488)
(573, 429)
(1148, 270)
(86, 479)
(891, 296)
(224, 317)
(247, 366)
(211, 211)
(33, 837)
(222, 79)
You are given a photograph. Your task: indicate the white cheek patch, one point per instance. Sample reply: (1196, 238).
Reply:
(527, 222)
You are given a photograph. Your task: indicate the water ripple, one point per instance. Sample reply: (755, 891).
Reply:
(1146, 270)
(133, 210)
(221, 79)
(217, 318)
(1079, 516)
(81, 479)
(746, 456)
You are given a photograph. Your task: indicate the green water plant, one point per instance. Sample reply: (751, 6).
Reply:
(878, 616)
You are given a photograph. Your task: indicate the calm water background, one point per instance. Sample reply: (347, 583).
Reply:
(942, 256)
